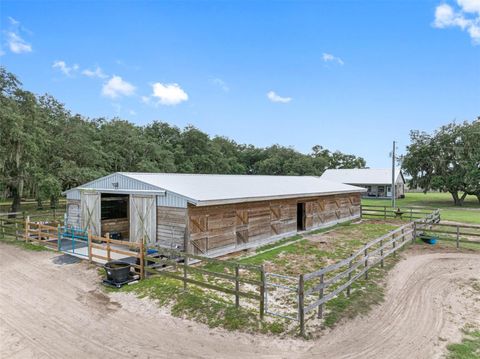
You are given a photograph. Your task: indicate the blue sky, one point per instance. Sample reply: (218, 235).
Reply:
(348, 75)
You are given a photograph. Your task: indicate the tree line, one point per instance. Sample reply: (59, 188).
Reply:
(45, 149)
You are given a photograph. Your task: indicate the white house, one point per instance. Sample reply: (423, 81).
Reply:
(377, 181)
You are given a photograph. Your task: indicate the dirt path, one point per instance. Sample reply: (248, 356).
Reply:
(54, 310)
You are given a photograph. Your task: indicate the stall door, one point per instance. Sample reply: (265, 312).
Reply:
(143, 219)
(90, 212)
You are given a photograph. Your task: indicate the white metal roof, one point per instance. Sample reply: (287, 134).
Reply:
(208, 189)
(357, 176)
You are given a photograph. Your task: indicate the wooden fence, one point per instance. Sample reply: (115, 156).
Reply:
(458, 233)
(326, 283)
(103, 247)
(386, 212)
(219, 275)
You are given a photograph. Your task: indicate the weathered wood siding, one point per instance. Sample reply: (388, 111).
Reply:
(73, 213)
(223, 229)
(171, 226)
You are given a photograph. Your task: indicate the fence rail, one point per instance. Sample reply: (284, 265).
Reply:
(386, 212)
(459, 233)
(192, 269)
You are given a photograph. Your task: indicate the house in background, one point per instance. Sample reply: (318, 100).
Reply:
(208, 214)
(377, 181)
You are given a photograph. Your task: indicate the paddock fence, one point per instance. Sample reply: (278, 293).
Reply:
(241, 281)
(386, 212)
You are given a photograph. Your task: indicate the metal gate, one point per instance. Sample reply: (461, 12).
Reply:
(281, 296)
(73, 240)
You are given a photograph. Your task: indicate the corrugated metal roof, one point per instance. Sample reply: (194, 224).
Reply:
(207, 189)
(357, 176)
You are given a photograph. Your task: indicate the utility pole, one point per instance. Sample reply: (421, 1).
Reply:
(393, 189)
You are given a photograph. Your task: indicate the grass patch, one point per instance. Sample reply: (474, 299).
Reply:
(202, 306)
(469, 348)
(24, 245)
(307, 255)
(281, 242)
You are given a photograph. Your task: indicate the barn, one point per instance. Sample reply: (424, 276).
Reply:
(208, 214)
(377, 181)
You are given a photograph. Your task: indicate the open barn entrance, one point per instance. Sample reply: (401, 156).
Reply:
(301, 216)
(114, 215)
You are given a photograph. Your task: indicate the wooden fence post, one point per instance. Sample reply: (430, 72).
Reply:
(39, 232)
(185, 274)
(16, 230)
(366, 261)
(27, 228)
(59, 239)
(394, 244)
(381, 253)
(3, 228)
(142, 260)
(349, 276)
(361, 211)
(403, 235)
(237, 286)
(384, 212)
(458, 236)
(262, 291)
(320, 296)
(414, 234)
(301, 305)
(90, 249)
(107, 236)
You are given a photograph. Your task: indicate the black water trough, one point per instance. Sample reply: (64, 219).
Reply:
(117, 271)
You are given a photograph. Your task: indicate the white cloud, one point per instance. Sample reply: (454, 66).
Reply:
(13, 21)
(331, 58)
(168, 94)
(446, 16)
(469, 5)
(220, 83)
(272, 96)
(132, 113)
(116, 87)
(63, 67)
(98, 72)
(16, 44)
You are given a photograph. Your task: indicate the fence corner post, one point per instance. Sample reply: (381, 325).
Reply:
(414, 234)
(301, 305)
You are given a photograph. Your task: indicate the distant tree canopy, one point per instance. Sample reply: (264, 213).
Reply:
(447, 161)
(45, 149)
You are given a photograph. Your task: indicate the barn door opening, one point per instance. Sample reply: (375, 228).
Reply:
(143, 219)
(114, 215)
(90, 212)
(301, 216)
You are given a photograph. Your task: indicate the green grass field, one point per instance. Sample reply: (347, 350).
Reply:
(468, 213)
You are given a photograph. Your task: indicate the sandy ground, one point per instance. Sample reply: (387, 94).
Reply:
(53, 309)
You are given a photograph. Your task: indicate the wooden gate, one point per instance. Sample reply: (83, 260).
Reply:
(90, 211)
(143, 219)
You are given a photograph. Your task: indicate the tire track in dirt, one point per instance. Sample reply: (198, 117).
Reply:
(56, 311)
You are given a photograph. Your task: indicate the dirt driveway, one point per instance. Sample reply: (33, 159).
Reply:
(51, 308)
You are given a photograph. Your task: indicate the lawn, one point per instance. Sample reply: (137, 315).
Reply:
(468, 213)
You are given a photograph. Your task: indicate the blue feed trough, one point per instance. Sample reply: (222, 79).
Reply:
(152, 251)
(429, 239)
